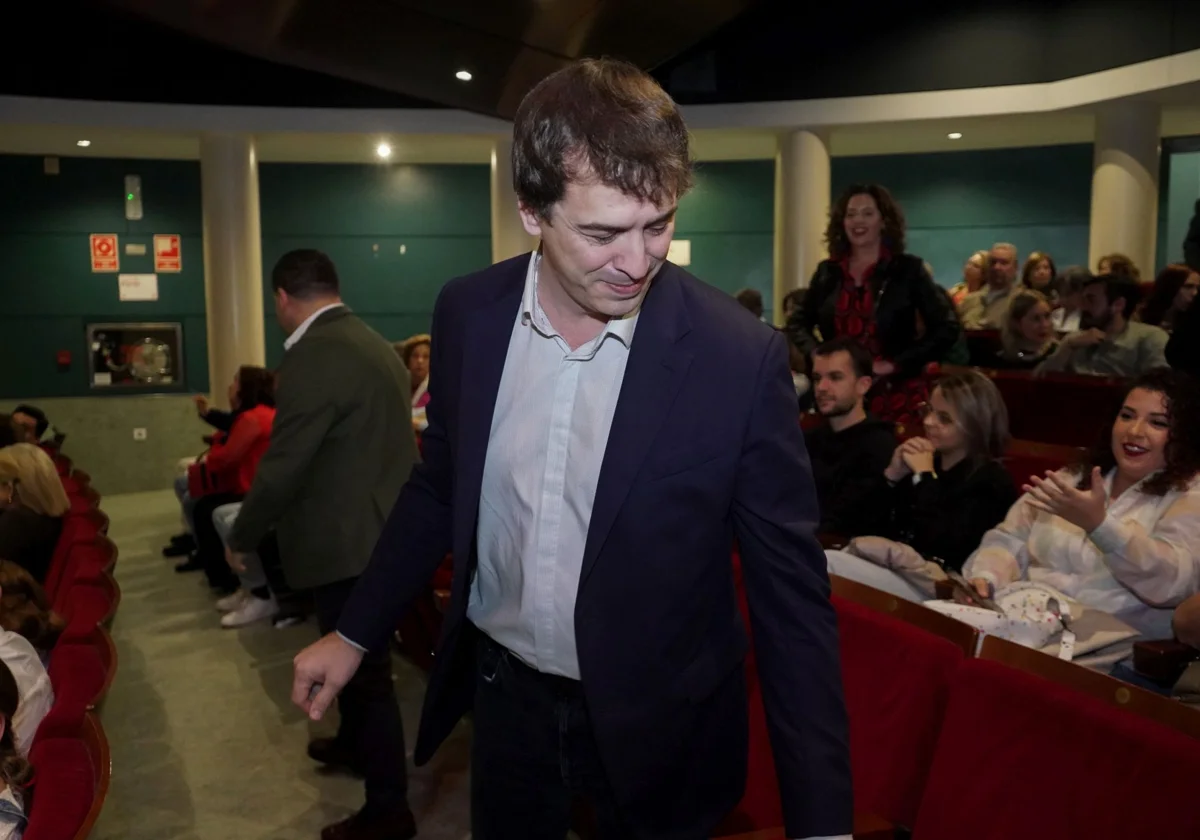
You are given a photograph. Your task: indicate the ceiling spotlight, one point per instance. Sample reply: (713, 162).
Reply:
(463, 75)
(954, 135)
(83, 144)
(383, 150)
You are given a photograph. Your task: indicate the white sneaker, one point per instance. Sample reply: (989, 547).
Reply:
(231, 602)
(254, 609)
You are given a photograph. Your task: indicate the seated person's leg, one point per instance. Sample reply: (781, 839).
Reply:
(255, 601)
(877, 577)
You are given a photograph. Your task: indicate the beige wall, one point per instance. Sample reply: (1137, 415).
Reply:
(100, 440)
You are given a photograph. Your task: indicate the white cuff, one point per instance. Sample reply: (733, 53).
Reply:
(351, 642)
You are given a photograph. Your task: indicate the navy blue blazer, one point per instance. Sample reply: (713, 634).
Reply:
(705, 448)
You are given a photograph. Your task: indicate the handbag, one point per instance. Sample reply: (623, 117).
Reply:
(203, 481)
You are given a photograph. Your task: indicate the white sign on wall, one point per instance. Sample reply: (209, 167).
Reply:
(137, 286)
(680, 251)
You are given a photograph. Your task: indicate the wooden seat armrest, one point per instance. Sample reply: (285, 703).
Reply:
(441, 600)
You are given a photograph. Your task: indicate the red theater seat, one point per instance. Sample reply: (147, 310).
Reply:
(1022, 757)
(1025, 458)
(71, 777)
(78, 676)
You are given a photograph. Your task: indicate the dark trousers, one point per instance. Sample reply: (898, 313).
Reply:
(533, 759)
(209, 547)
(370, 727)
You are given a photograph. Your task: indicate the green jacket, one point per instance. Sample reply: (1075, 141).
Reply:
(341, 448)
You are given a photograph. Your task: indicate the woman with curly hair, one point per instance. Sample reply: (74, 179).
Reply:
(1120, 532)
(874, 293)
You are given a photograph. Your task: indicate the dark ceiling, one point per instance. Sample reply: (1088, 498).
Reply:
(405, 53)
(416, 47)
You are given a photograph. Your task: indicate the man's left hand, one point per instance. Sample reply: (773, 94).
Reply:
(236, 560)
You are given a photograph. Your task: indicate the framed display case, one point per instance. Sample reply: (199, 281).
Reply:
(135, 356)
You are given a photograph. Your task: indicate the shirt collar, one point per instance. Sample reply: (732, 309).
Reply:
(533, 315)
(291, 340)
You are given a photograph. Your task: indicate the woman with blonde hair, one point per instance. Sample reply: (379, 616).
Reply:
(1027, 337)
(34, 503)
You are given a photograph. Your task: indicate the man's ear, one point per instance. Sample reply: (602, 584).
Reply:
(530, 220)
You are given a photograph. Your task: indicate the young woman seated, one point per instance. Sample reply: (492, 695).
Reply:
(1028, 335)
(15, 772)
(941, 492)
(34, 503)
(25, 610)
(235, 459)
(1121, 532)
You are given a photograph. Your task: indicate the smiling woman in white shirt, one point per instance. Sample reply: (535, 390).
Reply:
(1120, 533)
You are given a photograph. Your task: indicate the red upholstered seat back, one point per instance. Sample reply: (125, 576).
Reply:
(1022, 757)
(64, 789)
(78, 676)
(1026, 458)
(897, 679)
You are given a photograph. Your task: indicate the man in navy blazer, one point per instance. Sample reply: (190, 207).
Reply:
(591, 481)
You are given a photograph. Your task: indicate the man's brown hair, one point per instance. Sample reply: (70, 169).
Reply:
(605, 117)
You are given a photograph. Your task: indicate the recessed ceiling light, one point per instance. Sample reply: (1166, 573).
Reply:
(383, 150)
(954, 135)
(463, 75)
(83, 143)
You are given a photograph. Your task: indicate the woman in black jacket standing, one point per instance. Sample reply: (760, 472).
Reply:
(870, 290)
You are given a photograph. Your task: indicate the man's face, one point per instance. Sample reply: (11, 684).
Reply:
(1095, 312)
(26, 425)
(603, 247)
(836, 389)
(1002, 267)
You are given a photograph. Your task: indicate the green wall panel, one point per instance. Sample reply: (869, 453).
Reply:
(1183, 189)
(49, 290)
(395, 233)
(957, 203)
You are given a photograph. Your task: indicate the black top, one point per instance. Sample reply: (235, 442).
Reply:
(1021, 360)
(845, 467)
(28, 539)
(901, 290)
(946, 517)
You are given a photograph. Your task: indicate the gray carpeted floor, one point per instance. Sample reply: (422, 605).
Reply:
(205, 742)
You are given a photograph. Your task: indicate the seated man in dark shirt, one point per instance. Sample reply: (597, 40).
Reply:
(852, 448)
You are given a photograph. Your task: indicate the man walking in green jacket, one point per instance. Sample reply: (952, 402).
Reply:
(341, 449)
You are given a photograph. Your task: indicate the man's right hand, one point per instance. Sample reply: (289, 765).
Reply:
(326, 666)
(1086, 338)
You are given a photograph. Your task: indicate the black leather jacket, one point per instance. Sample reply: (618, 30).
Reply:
(901, 289)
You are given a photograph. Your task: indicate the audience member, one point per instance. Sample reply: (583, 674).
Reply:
(1186, 621)
(1039, 275)
(36, 695)
(1191, 242)
(25, 609)
(1119, 264)
(326, 484)
(866, 238)
(974, 270)
(1119, 532)
(414, 352)
(32, 420)
(1175, 289)
(1070, 299)
(851, 448)
(254, 599)
(234, 458)
(9, 434)
(752, 301)
(942, 492)
(1108, 343)
(792, 301)
(985, 308)
(15, 771)
(1027, 337)
(34, 504)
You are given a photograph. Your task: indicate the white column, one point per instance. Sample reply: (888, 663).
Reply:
(508, 235)
(233, 289)
(1125, 184)
(801, 209)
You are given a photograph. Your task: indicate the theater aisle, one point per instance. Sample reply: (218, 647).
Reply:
(205, 741)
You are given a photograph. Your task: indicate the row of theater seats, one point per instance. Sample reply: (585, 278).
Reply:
(70, 754)
(962, 740)
(1060, 408)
